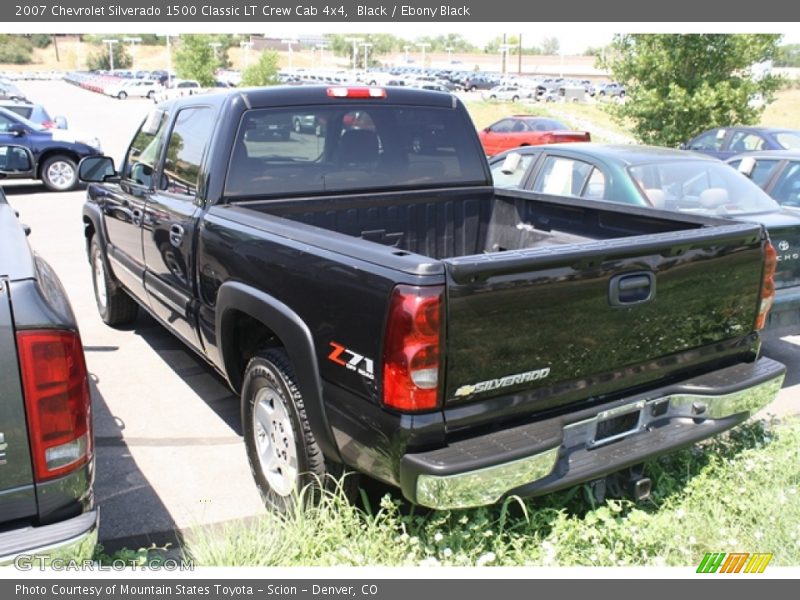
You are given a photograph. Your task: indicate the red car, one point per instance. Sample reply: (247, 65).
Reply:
(526, 130)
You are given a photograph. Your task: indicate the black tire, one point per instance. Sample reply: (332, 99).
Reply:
(297, 126)
(269, 381)
(114, 304)
(122, 95)
(150, 95)
(59, 173)
(515, 99)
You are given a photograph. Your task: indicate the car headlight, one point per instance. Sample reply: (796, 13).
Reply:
(93, 142)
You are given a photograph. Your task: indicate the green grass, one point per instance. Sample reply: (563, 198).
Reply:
(738, 493)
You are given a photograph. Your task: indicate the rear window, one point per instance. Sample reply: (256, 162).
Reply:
(351, 148)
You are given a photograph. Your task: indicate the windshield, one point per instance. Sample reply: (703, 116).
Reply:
(788, 140)
(701, 187)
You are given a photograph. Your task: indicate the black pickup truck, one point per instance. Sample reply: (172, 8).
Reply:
(380, 306)
(46, 447)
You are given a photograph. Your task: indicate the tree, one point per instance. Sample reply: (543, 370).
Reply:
(263, 72)
(678, 85)
(15, 49)
(550, 46)
(195, 59)
(99, 60)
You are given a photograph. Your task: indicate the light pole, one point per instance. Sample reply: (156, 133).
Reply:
(111, 52)
(503, 55)
(132, 41)
(449, 54)
(321, 47)
(246, 46)
(366, 46)
(289, 44)
(405, 49)
(169, 58)
(216, 46)
(423, 45)
(354, 41)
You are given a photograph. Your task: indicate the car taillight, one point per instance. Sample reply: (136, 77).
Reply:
(767, 285)
(356, 92)
(412, 348)
(56, 388)
(49, 124)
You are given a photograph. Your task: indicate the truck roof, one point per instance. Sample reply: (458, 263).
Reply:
(288, 95)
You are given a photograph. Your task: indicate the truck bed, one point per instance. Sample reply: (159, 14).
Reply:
(452, 223)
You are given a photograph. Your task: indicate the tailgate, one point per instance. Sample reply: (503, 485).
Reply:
(536, 324)
(16, 478)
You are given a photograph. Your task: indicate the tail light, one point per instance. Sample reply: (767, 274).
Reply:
(412, 348)
(767, 285)
(57, 400)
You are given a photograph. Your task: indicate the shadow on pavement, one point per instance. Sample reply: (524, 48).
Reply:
(127, 501)
(209, 386)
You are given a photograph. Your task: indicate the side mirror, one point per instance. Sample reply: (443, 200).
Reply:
(16, 130)
(511, 163)
(747, 166)
(61, 122)
(97, 169)
(488, 129)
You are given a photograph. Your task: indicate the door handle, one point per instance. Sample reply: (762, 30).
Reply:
(176, 235)
(632, 288)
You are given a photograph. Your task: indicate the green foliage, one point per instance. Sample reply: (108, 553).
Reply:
(738, 493)
(679, 85)
(788, 56)
(195, 59)
(15, 49)
(41, 40)
(100, 59)
(550, 46)
(382, 43)
(441, 43)
(263, 72)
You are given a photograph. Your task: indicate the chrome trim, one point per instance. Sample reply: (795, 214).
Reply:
(487, 485)
(483, 486)
(78, 547)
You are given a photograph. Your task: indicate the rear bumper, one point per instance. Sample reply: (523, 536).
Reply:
(546, 456)
(73, 538)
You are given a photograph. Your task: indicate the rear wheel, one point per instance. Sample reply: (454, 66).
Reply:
(284, 455)
(113, 303)
(122, 95)
(59, 173)
(515, 99)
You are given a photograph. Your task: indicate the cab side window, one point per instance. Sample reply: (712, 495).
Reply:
(187, 144)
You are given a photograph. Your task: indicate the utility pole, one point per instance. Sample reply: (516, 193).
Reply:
(366, 46)
(504, 48)
(169, 58)
(132, 41)
(449, 54)
(289, 44)
(423, 45)
(519, 56)
(355, 41)
(111, 52)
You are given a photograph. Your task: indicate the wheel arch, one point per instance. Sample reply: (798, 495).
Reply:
(268, 322)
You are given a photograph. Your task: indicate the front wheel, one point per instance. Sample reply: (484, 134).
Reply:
(59, 173)
(283, 453)
(122, 95)
(115, 306)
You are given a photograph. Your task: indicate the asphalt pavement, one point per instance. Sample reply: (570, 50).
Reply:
(170, 454)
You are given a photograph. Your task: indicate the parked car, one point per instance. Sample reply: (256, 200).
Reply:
(372, 298)
(665, 179)
(506, 92)
(35, 152)
(179, 88)
(725, 142)
(46, 444)
(139, 88)
(527, 130)
(9, 91)
(480, 82)
(777, 172)
(34, 112)
(611, 90)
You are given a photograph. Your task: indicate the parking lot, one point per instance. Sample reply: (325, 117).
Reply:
(170, 455)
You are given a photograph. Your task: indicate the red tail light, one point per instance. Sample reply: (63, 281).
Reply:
(412, 348)
(49, 124)
(767, 286)
(57, 400)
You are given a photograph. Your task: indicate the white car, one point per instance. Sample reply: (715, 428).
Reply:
(179, 87)
(140, 88)
(506, 92)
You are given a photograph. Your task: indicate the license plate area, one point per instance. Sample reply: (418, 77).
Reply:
(617, 423)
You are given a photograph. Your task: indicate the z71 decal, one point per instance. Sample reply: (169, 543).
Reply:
(352, 361)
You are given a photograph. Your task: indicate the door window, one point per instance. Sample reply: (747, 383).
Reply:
(143, 152)
(562, 176)
(187, 144)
